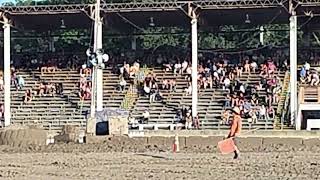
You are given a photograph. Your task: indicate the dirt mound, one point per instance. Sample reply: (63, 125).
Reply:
(23, 137)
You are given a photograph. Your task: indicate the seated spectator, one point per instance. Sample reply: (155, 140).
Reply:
(159, 96)
(1, 83)
(177, 68)
(303, 75)
(225, 117)
(168, 67)
(253, 115)
(307, 66)
(188, 90)
(134, 69)
(239, 70)
(146, 89)
(255, 99)
(1, 110)
(140, 77)
(145, 117)
(172, 85)
(165, 84)
(152, 97)
(270, 113)
(314, 79)
(184, 67)
(20, 83)
(247, 107)
(59, 88)
(262, 112)
(14, 79)
(122, 84)
(51, 68)
(83, 80)
(226, 83)
(42, 89)
(133, 122)
(50, 88)
(28, 96)
(85, 71)
(271, 67)
(82, 93)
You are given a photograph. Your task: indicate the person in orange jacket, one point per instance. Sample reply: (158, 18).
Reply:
(235, 129)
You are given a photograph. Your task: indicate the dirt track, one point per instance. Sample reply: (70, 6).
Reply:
(115, 160)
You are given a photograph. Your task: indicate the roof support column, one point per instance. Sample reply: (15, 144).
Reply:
(7, 73)
(194, 54)
(99, 71)
(293, 72)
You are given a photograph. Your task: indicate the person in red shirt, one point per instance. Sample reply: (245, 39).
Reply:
(235, 129)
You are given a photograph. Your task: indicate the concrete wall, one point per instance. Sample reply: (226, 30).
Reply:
(209, 144)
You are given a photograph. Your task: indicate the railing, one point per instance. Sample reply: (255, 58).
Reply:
(128, 100)
(282, 106)
(285, 112)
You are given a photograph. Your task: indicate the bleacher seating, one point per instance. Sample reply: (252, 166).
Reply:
(210, 103)
(55, 111)
(52, 112)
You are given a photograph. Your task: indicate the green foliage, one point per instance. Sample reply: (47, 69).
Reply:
(154, 39)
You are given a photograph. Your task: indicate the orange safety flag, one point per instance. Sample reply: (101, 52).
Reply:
(227, 146)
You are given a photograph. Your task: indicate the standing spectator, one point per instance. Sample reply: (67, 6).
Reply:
(188, 124)
(20, 83)
(227, 101)
(196, 122)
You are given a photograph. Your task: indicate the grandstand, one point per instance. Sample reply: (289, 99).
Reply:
(52, 112)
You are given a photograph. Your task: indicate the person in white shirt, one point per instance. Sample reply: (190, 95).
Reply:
(146, 116)
(242, 89)
(184, 66)
(177, 68)
(307, 66)
(253, 66)
(226, 83)
(262, 112)
(189, 89)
